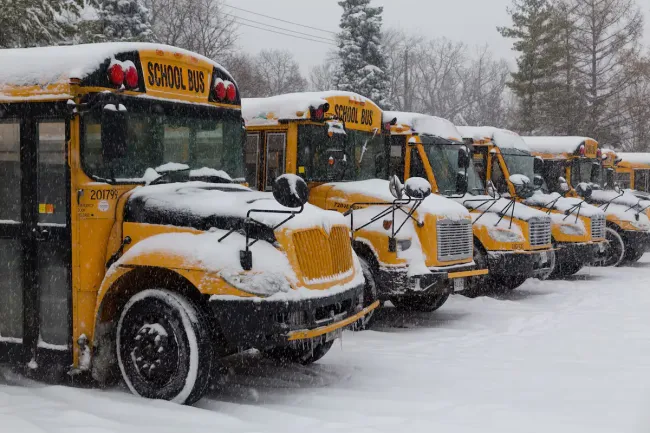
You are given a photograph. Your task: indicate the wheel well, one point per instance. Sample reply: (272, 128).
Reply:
(366, 253)
(478, 244)
(137, 280)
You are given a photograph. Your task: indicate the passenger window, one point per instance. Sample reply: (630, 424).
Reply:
(498, 178)
(251, 158)
(275, 157)
(52, 185)
(10, 170)
(397, 156)
(641, 180)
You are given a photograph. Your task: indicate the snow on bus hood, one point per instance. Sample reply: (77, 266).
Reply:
(484, 202)
(204, 199)
(627, 199)
(563, 204)
(377, 189)
(271, 276)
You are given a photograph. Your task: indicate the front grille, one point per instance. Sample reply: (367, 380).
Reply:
(455, 240)
(322, 257)
(598, 227)
(540, 231)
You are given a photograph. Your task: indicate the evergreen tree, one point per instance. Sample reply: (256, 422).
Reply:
(536, 40)
(28, 23)
(363, 63)
(118, 20)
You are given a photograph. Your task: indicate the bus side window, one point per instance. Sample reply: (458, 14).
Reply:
(10, 170)
(479, 163)
(275, 156)
(397, 156)
(417, 167)
(641, 180)
(51, 173)
(623, 180)
(252, 158)
(498, 178)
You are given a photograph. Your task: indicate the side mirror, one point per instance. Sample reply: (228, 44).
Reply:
(114, 132)
(522, 185)
(463, 158)
(617, 187)
(396, 188)
(564, 185)
(538, 166)
(584, 190)
(462, 183)
(290, 191)
(417, 188)
(538, 181)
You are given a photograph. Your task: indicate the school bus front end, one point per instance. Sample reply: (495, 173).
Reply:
(151, 261)
(586, 173)
(509, 239)
(412, 251)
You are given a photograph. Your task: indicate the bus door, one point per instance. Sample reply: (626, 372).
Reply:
(35, 247)
(265, 153)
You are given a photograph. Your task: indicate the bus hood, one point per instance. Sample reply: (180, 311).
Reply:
(484, 203)
(206, 206)
(627, 199)
(563, 204)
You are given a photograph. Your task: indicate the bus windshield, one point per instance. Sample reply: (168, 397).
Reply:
(519, 162)
(584, 170)
(344, 156)
(444, 163)
(163, 133)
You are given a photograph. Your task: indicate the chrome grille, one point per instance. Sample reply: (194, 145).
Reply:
(455, 240)
(598, 227)
(540, 231)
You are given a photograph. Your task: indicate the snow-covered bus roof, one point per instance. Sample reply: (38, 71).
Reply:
(640, 158)
(424, 124)
(59, 64)
(556, 145)
(293, 106)
(503, 138)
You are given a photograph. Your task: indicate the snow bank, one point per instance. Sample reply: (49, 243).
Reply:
(555, 144)
(425, 124)
(635, 157)
(290, 106)
(206, 199)
(503, 138)
(46, 65)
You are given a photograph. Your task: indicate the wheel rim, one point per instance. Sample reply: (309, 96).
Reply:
(614, 249)
(152, 350)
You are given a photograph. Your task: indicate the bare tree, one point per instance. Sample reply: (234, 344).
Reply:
(607, 43)
(201, 26)
(279, 72)
(244, 68)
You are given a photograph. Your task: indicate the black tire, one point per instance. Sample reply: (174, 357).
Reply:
(566, 269)
(632, 254)
(161, 328)
(421, 303)
(482, 283)
(509, 283)
(305, 356)
(615, 249)
(370, 294)
(548, 274)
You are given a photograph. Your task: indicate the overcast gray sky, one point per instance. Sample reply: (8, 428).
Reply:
(471, 21)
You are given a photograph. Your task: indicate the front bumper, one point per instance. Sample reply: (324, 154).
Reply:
(518, 263)
(397, 282)
(580, 252)
(263, 324)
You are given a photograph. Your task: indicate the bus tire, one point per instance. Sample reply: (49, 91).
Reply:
(509, 283)
(163, 347)
(479, 284)
(615, 249)
(566, 269)
(632, 254)
(370, 294)
(304, 355)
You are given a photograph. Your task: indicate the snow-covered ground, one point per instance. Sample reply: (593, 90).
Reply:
(559, 356)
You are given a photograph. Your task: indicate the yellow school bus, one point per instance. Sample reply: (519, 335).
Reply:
(633, 171)
(413, 252)
(578, 229)
(573, 166)
(510, 239)
(129, 247)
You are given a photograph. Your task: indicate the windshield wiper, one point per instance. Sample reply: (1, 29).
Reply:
(166, 174)
(605, 206)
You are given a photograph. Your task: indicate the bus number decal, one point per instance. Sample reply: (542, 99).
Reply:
(174, 77)
(103, 194)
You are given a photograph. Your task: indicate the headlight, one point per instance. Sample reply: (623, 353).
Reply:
(263, 283)
(403, 244)
(505, 235)
(572, 230)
